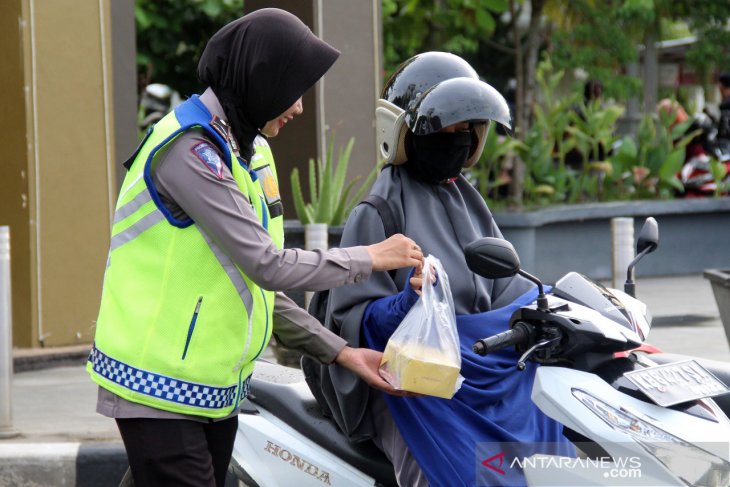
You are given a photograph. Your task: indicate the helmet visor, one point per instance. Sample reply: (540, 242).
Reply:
(457, 100)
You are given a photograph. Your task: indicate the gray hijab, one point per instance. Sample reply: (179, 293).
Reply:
(442, 219)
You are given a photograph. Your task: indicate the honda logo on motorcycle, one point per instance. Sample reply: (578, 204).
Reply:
(298, 462)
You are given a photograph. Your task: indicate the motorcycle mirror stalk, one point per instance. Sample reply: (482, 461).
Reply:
(495, 258)
(647, 243)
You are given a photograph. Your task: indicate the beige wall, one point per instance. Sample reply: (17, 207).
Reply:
(67, 121)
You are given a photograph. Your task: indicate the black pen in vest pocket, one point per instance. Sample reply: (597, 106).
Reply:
(192, 326)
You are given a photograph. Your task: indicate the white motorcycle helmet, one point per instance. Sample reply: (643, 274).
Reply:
(431, 91)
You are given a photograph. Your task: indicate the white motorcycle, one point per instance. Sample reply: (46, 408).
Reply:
(638, 419)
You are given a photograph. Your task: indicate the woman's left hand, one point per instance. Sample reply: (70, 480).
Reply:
(416, 280)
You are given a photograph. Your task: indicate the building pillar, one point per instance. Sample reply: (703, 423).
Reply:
(342, 105)
(58, 179)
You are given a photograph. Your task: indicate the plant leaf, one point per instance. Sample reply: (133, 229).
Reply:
(338, 216)
(671, 165)
(313, 188)
(299, 206)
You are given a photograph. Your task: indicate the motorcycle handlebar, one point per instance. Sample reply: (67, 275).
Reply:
(518, 334)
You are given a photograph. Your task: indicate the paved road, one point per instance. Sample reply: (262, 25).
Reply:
(686, 318)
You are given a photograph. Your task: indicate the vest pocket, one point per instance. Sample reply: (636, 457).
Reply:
(191, 328)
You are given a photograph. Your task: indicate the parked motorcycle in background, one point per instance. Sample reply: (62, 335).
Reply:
(156, 101)
(707, 161)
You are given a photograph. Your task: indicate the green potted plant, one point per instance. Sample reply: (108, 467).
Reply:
(331, 197)
(647, 167)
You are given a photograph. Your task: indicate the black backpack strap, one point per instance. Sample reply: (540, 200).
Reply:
(390, 223)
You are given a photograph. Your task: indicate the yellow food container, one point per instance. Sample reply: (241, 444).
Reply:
(421, 369)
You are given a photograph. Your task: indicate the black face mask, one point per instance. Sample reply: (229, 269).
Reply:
(436, 157)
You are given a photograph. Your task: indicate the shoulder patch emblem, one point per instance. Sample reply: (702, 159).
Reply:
(210, 158)
(268, 184)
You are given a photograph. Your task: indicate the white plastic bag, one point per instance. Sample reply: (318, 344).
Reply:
(423, 354)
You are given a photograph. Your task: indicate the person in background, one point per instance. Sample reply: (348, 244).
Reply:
(723, 125)
(592, 91)
(192, 284)
(592, 96)
(432, 120)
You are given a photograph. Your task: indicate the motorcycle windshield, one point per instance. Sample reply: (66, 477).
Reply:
(457, 100)
(583, 290)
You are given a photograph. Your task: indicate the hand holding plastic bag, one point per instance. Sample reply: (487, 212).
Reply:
(423, 354)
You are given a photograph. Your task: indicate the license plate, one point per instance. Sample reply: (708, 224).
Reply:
(675, 383)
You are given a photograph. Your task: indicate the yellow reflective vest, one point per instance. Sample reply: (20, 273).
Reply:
(180, 325)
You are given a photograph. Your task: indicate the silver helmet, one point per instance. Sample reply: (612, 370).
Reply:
(431, 91)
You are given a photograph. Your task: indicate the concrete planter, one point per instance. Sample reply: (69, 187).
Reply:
(312, 237)
(294, 239)
(720, 280)
(693, 235)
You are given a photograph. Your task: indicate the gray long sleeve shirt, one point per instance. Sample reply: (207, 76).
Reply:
(189, 189)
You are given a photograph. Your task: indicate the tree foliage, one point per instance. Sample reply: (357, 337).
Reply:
(602, 37)
(457, 26)
(709, 22)
(171, 36)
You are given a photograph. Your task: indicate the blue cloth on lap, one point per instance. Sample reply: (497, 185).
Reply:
(491, 414)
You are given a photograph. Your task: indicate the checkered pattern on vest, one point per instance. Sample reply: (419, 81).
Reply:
(163, 387)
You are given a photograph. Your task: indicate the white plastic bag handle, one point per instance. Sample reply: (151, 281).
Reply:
(436, 291)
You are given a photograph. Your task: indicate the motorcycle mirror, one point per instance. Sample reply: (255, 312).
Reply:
(492, 258)
(648, 242)
(648, 237)
(495, 258)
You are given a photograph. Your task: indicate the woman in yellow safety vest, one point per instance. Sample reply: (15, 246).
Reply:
(192, 287)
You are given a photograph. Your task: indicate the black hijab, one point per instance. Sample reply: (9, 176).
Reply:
(259, 65)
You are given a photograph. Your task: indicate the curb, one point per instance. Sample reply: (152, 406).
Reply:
(68, 464)
(25, 360)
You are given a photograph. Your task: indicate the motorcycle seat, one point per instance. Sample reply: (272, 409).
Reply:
(284, 392)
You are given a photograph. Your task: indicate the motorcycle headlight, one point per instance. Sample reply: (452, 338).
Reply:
(685, 460)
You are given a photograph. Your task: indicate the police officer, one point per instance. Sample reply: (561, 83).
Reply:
(196, 264)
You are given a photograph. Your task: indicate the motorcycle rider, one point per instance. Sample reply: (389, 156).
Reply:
(432, 120)
(190, 289)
